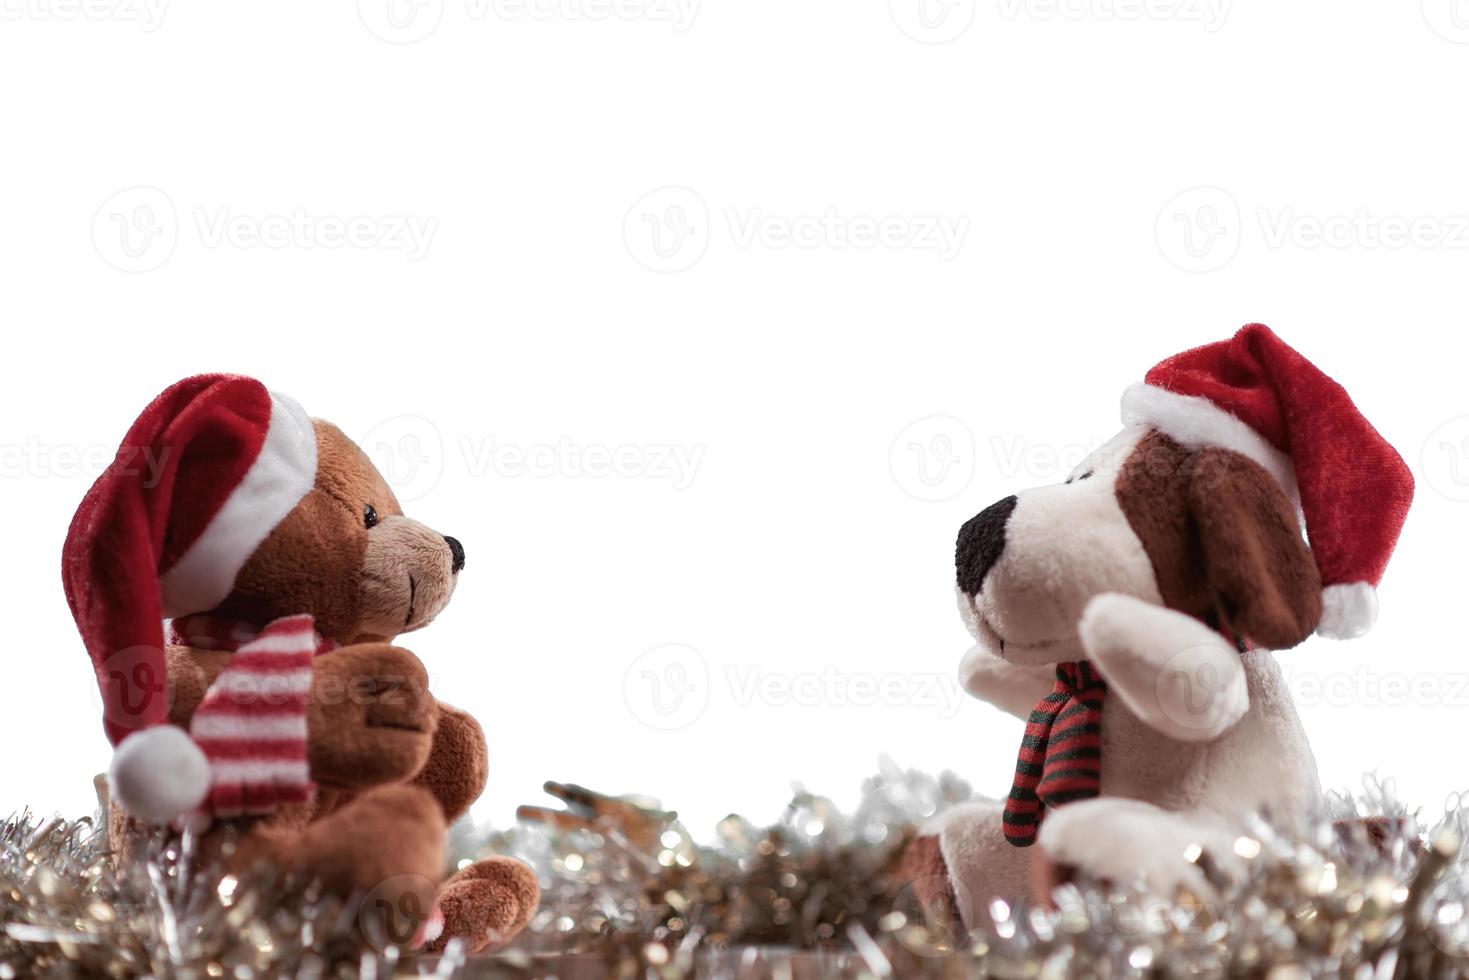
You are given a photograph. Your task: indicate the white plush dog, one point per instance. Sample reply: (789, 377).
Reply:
(1120, 613)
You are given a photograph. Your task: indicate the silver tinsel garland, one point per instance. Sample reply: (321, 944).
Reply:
(628, 892)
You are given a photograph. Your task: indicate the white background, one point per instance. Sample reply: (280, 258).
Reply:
(179, 181)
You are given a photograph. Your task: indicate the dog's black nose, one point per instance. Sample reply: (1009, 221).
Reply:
(981, 540)
(456, 551)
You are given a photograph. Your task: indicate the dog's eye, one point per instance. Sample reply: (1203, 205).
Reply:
(369, 516)
(1078, 479)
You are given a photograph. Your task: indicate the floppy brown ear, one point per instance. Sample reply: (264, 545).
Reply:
(1263, 578)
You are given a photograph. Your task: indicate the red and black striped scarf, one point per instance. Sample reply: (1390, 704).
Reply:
(1061, 754)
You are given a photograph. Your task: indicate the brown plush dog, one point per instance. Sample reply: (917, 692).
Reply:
(389, 766)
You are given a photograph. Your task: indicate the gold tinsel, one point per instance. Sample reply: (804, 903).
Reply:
(629, 893)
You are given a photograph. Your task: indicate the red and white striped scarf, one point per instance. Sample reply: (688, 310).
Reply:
(251, 724)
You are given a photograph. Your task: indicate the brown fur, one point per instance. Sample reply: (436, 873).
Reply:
(924, 868)
(457, 766)
(1152, 489)
(392, 765)
(1223, 539)
(486, 904)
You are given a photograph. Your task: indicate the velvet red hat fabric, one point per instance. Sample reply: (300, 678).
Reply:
(202, 476)
(1353, 488)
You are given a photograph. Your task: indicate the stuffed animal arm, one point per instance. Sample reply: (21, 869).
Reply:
(1013, 688)
(1178, 676)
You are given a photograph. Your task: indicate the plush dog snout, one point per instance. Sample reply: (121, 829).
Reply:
(981, 541)
(456, 552)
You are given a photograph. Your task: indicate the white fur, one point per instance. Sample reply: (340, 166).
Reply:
(982, 864)
(1195, 422)
(1195, 736)
(1347, 611)
(158, 774)
(281, 475)
(1176, 674)
(1161, 794)
(1010, 687)
(1064, 545)
(1126, 841)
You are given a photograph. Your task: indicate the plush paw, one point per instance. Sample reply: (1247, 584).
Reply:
(1127, 841)
(1177, 675)
(371, 719)
(485, 904)
(458, 766)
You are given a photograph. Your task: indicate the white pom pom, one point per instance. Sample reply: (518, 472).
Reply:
(1347, 611)
(159, 774)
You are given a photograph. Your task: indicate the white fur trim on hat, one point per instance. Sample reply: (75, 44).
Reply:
(1195, 422)
(281, 475)
(1347, 611)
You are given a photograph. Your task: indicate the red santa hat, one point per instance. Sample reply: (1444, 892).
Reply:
(200, 480)
(1255, 395)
